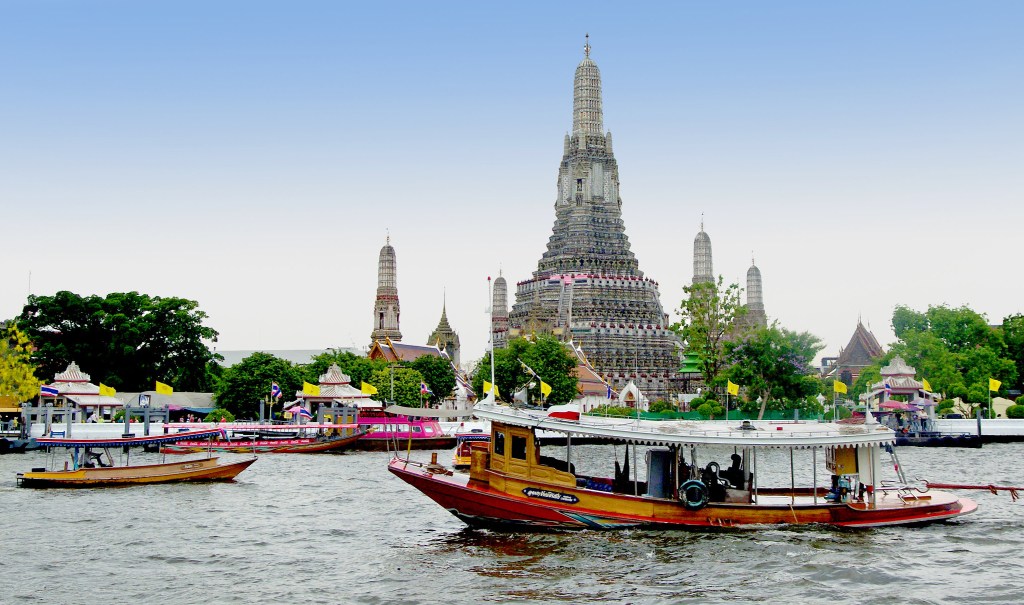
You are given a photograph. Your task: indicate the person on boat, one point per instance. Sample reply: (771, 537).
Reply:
(92, 417)
(734, 474)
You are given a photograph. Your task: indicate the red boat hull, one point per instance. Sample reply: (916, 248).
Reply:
(523, 505)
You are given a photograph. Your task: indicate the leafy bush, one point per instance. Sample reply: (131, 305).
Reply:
(218, 414)
(1019, 400)
(1015, 411)
(663, 406)
(611, 410)
(710, 408)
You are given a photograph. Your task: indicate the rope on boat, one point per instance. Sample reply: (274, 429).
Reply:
(994, 489)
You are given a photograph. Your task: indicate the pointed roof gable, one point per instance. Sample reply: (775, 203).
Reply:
(862, 349)
(400, 351)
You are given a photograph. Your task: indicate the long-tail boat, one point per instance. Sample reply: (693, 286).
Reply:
(275, 439)
(91, 463)
(512, 485)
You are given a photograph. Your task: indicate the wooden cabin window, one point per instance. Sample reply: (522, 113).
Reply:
(518, 447)
(499, 443)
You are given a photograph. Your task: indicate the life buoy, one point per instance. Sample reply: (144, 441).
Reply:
(693, 494)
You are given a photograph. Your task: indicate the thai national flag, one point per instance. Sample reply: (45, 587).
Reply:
(48, 391)
(887, 387)
(609, 389)
(306, 413)
(424, 389)
(275, 391)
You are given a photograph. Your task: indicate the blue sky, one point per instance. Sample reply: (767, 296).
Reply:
(254, 155)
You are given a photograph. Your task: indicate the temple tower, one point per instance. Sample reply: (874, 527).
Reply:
(445, 338)
(499, 313)
(703, 272)
(755, 316)
(588, 286)
(385, 308)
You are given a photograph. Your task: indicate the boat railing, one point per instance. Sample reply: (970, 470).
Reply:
(770, 429)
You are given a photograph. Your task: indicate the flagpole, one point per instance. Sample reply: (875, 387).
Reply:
(490, 330)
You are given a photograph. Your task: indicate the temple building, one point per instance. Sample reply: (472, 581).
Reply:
(385, 308)
(499, 313)
(588, 287)
(862, 350)
(445, 338)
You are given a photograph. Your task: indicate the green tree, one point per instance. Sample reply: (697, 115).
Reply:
(406, 383)
(125, 340)
(244, 385)
(547, 356)
(1013, 336)
(955, 349)
(438, 374)
(709, 313)
(17, 373)
(775, 364)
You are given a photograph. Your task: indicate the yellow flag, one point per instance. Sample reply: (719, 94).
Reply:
(368, 389)
(164, 389)
(925, 384)
(838, 386)
(489, 388)
(310, 389)
(993, 385)
(545, 388)
(732, 388)
(106, 391)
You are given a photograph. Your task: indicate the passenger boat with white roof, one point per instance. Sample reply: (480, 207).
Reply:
(686, 483)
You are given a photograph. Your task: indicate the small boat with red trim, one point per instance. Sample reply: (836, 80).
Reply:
(91, 463)
(273, 439)
(681, 482)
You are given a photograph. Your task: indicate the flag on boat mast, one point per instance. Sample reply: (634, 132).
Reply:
(275, 391)
(48, 391)
(732, 388)
(310, 389)
(924, 383)
(545, 388)
(106, 391)
(491, 388)
(993, 385)
(367, 389)
(838, 386)
(163, 389)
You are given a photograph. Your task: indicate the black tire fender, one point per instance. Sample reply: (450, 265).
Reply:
(693, 494)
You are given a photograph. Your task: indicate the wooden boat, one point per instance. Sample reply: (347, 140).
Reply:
(511, 485)
(87, 468)
(289, 439)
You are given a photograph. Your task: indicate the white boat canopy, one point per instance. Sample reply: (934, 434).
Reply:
(751, 433)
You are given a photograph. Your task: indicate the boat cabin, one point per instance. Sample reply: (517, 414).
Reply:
(694, 474)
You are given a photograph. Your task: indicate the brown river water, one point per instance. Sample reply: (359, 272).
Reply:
(340, 529)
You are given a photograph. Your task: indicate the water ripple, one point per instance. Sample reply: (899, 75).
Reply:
(341, 529)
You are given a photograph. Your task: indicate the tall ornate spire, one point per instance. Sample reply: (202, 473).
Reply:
(588, 287)
(499, 313)
(587, 114)
(385, 308)
(755, 302)
(444, 337)
(703, 271)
